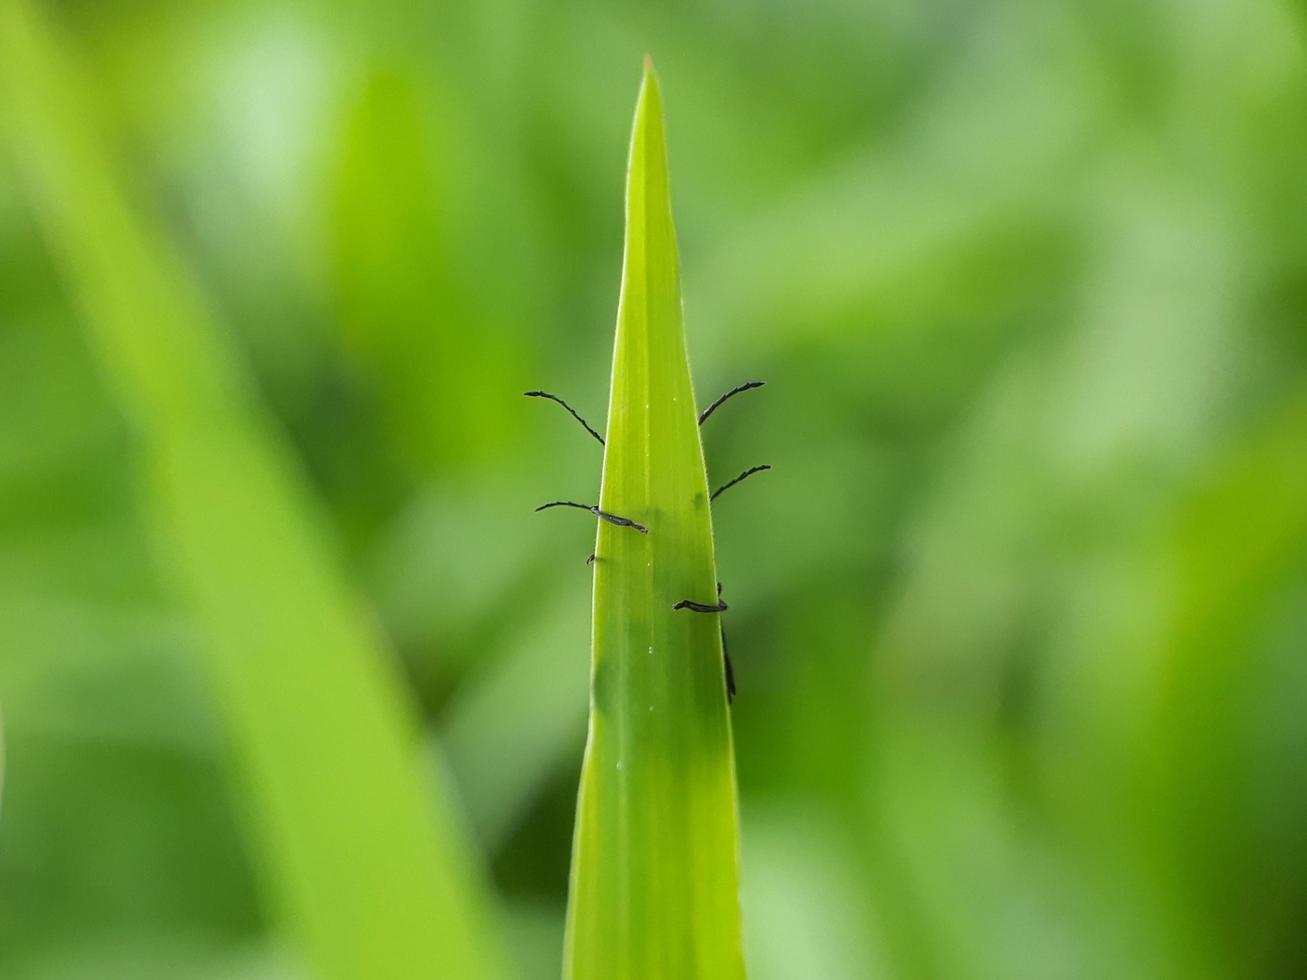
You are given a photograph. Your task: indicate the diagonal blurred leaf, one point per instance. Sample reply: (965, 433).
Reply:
(373, 876)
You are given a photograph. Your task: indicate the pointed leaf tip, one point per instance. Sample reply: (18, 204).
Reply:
(649, 81)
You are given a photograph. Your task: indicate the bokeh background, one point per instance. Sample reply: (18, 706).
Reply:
(1019, 619)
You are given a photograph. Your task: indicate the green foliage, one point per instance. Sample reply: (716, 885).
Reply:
(369, 867)
(654, 888)
(1016, 620)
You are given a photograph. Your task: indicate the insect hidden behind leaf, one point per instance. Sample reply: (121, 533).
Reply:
(687, 604)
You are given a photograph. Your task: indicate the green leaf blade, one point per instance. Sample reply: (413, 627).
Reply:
(367, 865)
(655, 864)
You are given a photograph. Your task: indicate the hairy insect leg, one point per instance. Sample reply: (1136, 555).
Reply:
(739, 479)
(594, 509)
(574, 413)
(747, 386)
(563, 503)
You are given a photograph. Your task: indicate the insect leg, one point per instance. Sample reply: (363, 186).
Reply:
(604, 515)
(693, 606)
(562, 503)
(730, 673)
(726, 658)
(747, 386)
(576, 415)
(739, 479)
(619, 521)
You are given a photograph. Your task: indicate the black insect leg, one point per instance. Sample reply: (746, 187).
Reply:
(721, 606)
(747, 386)
(594, 509)
(693, 606)
(619, 521)
(730, 673)
(726, 657)
(574, 413)
(739, 479)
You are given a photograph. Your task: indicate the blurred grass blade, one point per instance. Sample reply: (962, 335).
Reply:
(370, 870)
(654, 890)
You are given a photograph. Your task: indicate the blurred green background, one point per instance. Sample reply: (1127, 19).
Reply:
(1019, 618)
